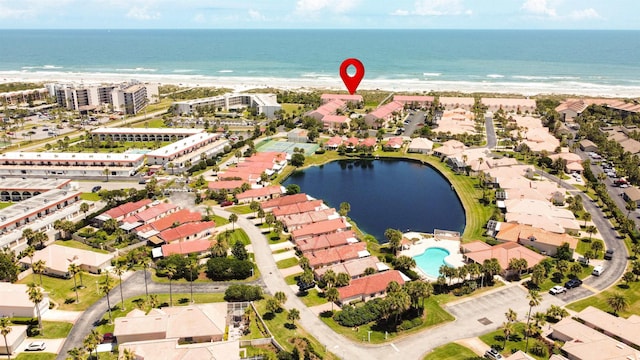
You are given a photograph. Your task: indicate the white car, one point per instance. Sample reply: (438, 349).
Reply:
(36, 346)
(557, 290)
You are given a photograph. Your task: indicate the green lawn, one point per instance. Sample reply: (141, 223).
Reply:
(89, 196)
(219, 220)
(292, 279)
(551, 281)
(131, 303)
(312, 298)
(276, 238)
(451, 351)
(5, 204)
(36, 356)
(279, 327)
(516, 341)
(632, 293)
(287, 263)
(235, 235)
(240, 209)
(153, 123)
(79, 245)
(54, 330)
(434, 315)
(61, 290)
(584, 245)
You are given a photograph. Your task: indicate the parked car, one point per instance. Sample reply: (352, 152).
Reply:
(226, 203)
(598, 270)
(304, 286)
(573, 283)
(36, 346)
(492, 354)
(558, 289)
(107, 338)
(608, 255)
(96, 188)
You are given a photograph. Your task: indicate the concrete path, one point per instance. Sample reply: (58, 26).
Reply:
(61, 315)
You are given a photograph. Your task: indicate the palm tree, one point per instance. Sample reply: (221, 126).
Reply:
(597, 246)
(534, 300)
(591, 230)
(128, 354)
(105, 288)
(119, 271)
(294, 314)
(146, 261)
(332, 294)
(5, 329)
(171, 272)
(73, 270)
(586, 217)
(39, 268)
(507, 328)
(232, 219)
(618, 302)
(36, 296)
(404, 262)
(29, 252)
(91, 341)
(511, 315)
(329, 277)
(77, 353)
(84, 207)
(192, 266)
(106, 172)
(395, 238)
(281, 297)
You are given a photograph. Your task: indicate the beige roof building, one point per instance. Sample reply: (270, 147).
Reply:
(450, 148)
(538, 238)
(420, 145)
(509, 104)
(57, 259)
(170, 349)
(456, 102)
(196, 323)
(585, 343)
(456, 121)
(626, 330)
(15, 301)
(540, 139)
(519, 355)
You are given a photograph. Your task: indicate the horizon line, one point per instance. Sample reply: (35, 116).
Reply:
(324, 29)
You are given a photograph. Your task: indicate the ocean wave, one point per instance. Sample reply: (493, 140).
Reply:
(225, 71)
(495, 76)
(431, 74)
(137, 69)
(45, 67)
(313, 75)
(182, 71)
(539, 77)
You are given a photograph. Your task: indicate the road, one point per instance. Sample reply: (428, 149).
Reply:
(491, 132)
(615, 267)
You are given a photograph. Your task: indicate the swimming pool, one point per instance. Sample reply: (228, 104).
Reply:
(431, 260)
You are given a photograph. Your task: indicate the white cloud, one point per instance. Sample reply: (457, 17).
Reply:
(435, 8)
(539, 7)
(584, 14)
(256, 15)
(142, 13)
(312, 7)
(11, 9)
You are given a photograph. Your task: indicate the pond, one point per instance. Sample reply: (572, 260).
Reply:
(400, 194)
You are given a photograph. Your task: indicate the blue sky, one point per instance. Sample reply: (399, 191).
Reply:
(303, 14)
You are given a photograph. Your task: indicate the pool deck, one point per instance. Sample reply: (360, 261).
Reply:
(426, 241)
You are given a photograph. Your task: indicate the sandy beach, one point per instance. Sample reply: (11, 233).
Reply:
(331, 83)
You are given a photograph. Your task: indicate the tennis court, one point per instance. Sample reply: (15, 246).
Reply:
(286, 146)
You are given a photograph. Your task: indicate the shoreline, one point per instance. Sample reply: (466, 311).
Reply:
(239, 84)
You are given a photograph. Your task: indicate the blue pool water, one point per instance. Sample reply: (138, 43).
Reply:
(431, 260)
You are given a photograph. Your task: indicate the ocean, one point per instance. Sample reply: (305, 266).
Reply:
(527, 60)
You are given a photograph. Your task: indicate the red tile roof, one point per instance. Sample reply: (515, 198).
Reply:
(225, 184)
(325, 241)
(504, 253)
(284, 200)
(370, 141)
(385, 110)
(334, 141)
(370, 285)
(343, 97)
(319, 228)
(261, 192)
(182, 216)
(335, 254)
(126, 209)
(301, 207)
(187, 247)
(185, 230)
(413, 99)
(150, 213)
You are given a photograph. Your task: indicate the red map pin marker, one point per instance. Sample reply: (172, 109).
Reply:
(352, 82)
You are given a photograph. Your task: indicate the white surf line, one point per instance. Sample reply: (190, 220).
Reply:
(394, 347)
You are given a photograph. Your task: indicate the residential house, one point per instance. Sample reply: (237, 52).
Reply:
(331, 107)
(183, 216)
(420, 145)
(148, 215)
(573, 161)
(320, 228)
(323, 242)
(509, 104)
(284, 201)
(172, 349)
(414, 101)
(15, 301)
(336, 255)
(379, 117)
(335, 122)
(260, 194)
(588, 146)
(14, 339)
(394, 143)
(479, 251)
(449, 103)
(298, 208)
(297, 221)
(449, 148)
(353, 99)
(197, 246)
(228, 185)
(57, 259)
(186, 232)
(632, 194)
(354, 268)
(625, 330)
(194, 323)
(369, 287)
(124, 210)
(333, 143)
(544, 241)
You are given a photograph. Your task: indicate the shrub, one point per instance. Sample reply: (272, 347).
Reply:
(539, 349)
(243, 293)
(351, 316)
(222, 269)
